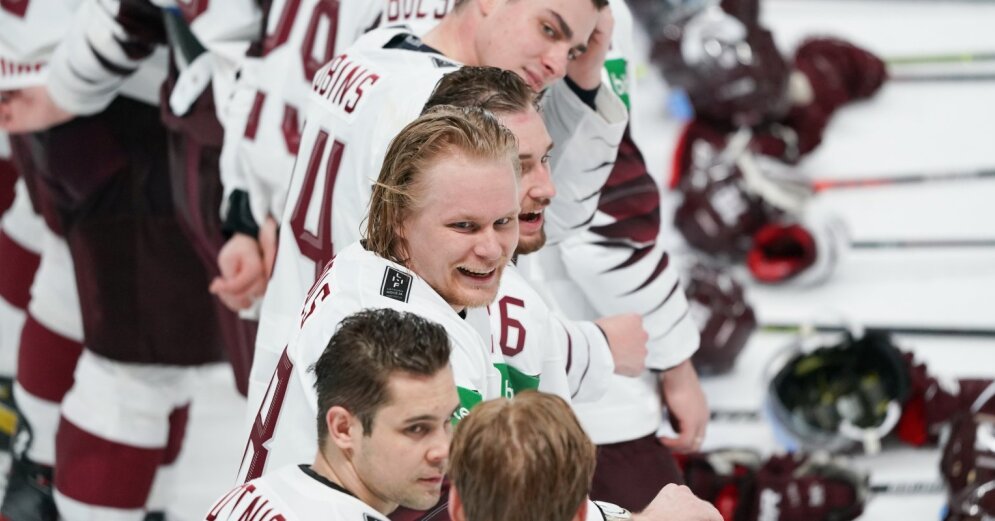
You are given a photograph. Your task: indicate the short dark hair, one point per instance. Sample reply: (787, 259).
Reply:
(354, 369)
(495, 90)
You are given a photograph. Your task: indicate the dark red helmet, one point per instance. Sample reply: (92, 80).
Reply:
(718, 213)
(730, 69)
(724, 317)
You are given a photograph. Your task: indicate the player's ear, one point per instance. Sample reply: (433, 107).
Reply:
(456, 512)
(342, 426)
(581, 514)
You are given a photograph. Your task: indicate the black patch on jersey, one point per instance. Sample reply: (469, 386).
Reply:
(443, 64)
(367, 517)
(396, 285)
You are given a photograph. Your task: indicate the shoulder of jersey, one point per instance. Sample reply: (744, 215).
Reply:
(375, 63)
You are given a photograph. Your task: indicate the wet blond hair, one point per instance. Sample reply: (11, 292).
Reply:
(441, 131)
(524, 458)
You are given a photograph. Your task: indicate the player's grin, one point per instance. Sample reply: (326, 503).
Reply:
(476, 275)
(530, 222)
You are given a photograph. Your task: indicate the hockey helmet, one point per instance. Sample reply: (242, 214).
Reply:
(731, 70)
(836, 393)
(718, 213)
(724, 318)
(968, 462)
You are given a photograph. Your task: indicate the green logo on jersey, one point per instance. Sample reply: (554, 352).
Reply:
(468, 398)
(514, 381)
(618, 75)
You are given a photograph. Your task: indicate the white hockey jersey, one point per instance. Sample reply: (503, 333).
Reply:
(263, 122)
(283, 430)
(563, 357)
(292, 493)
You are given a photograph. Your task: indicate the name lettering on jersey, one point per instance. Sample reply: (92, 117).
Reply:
(396, 285)
(9, 68)
(342, 84)
(404, 10)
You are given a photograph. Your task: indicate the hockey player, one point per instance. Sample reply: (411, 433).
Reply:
(617, 265)
(529, 458)
(382, 81)
(263, 131)
(441, 228)
(537, 343)
(385, 399)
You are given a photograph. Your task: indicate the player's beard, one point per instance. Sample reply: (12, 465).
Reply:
(531, 244)
(459, 296)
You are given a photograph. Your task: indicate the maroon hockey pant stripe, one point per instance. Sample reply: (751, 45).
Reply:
(46, 361)
(177, 430)
(17, 270)
(100, 472)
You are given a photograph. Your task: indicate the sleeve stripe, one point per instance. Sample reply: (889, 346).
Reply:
(580, 383)
(109, 65)
(671, 328)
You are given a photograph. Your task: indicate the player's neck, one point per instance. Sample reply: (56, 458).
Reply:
(453, 37)
(339, 470)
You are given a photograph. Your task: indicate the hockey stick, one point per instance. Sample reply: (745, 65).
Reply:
(941, 76)
(820, 185)
(910, 488)
(961, 57)
(923, 244)
(900, 330)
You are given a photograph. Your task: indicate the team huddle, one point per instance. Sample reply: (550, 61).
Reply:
(420, 231)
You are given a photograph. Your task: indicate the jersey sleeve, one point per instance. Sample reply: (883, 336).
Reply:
(107, 44)
(586, 144)
(587, 359)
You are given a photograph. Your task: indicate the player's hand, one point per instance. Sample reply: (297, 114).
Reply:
(678, 503)
(686, 405)
(242, 279)
(585, 70)
(29, 110)
(267, 243)
(627, 341)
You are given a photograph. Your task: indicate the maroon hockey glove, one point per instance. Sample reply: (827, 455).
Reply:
(838, 71)
(785, 488)
(797, 487)
(968, 461)
(724, 318)
(933, 403)
(804, 253)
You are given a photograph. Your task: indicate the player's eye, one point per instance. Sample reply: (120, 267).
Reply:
(573, 54)
(462, 226)
(549, 31)
(503, 222)
(417, 429)
(545, 159)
